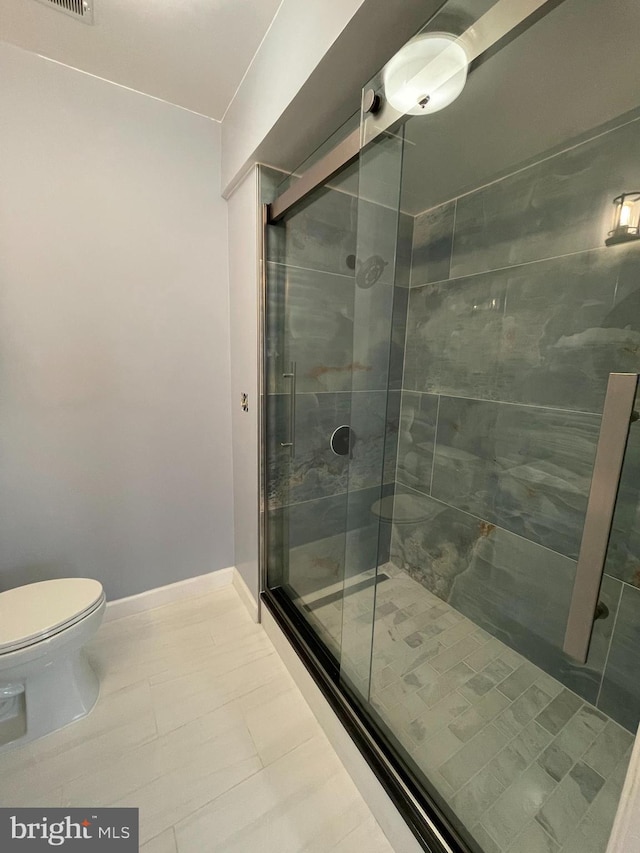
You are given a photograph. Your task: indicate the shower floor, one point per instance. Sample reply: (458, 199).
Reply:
(527, 765)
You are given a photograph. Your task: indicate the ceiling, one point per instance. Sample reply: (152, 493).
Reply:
(193, 54)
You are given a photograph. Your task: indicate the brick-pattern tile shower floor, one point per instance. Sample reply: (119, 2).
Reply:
(528, 766)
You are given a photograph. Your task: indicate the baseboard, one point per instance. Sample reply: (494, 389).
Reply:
(166, 594)
(393, 825)
(246, 595)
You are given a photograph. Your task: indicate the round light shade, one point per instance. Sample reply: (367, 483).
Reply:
(426, 75)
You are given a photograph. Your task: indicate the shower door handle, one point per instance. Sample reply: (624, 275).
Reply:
(607, 470)
(292, 410)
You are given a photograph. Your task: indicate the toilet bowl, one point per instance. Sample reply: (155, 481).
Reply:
(43, 666)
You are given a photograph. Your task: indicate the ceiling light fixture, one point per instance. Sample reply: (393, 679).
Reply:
(426, 75)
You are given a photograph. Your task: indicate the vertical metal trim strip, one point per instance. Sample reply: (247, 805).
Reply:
(607, 470)
(263, 221)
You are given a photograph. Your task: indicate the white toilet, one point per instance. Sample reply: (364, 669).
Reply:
(45, 677)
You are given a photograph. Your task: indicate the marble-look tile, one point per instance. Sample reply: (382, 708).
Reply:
(163, 802)
(559, 711)
(477, 687)
(303, 802)
(520, 680)
(404, 250)
(608, 748)
(120, 721)
(518, 805)
(552, 208)
(310, 322)
(454, 332)
(623, 554)
(320, 235)
(461, 767)
(519, 753)
(280, 725)
(512, 588)
(368, 836)
(452, 655)
(187, 698)
(620, 694)
(398, 337)
(486, 842)
(433, 542)
(569, 801)
(416, 439)
(315, 471)
(445, 683)
(436, 750)
(556, 761)
(474, 798)
(190, 746)
(437, 717)
(580, 732)
(527, 469)
(592, 833)
(561, 337)
(432, 244)
(545, 334)
(316, 544)
(520, 713)
(163, 843)
(533, 839)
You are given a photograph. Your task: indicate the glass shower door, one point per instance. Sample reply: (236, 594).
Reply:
(522, 302)
(309, 361)
(446, 320)
(379, 312)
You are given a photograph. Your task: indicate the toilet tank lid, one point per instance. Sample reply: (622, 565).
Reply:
(27, 612)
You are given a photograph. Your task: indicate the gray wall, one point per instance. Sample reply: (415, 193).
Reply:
(517, 314)
(114, 335)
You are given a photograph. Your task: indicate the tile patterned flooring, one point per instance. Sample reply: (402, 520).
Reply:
(200, 726)
(525, 763)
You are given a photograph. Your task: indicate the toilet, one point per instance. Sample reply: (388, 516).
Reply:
(45, 676)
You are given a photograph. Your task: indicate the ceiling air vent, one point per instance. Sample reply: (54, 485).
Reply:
(79, 9)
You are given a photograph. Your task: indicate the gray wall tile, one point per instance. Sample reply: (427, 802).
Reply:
(307, 541)
(316, 471)
(555, 207)
(416, 439)
(620, 695)
(454, 331)
(514, 589)
(527, 469)
(310, 321)
(623, 555)
(561, 337)
(319, 235)
(432, 244)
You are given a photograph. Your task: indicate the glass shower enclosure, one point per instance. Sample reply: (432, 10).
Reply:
(451, 449)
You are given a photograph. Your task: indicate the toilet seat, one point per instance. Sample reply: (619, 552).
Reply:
(33, 613)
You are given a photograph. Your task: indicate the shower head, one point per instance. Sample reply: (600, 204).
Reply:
(370, 271)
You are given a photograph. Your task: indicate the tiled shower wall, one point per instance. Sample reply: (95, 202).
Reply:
(516, 315)
(321, 503)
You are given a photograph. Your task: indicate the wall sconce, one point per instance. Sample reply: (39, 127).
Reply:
(426, 75)
(626, 219)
